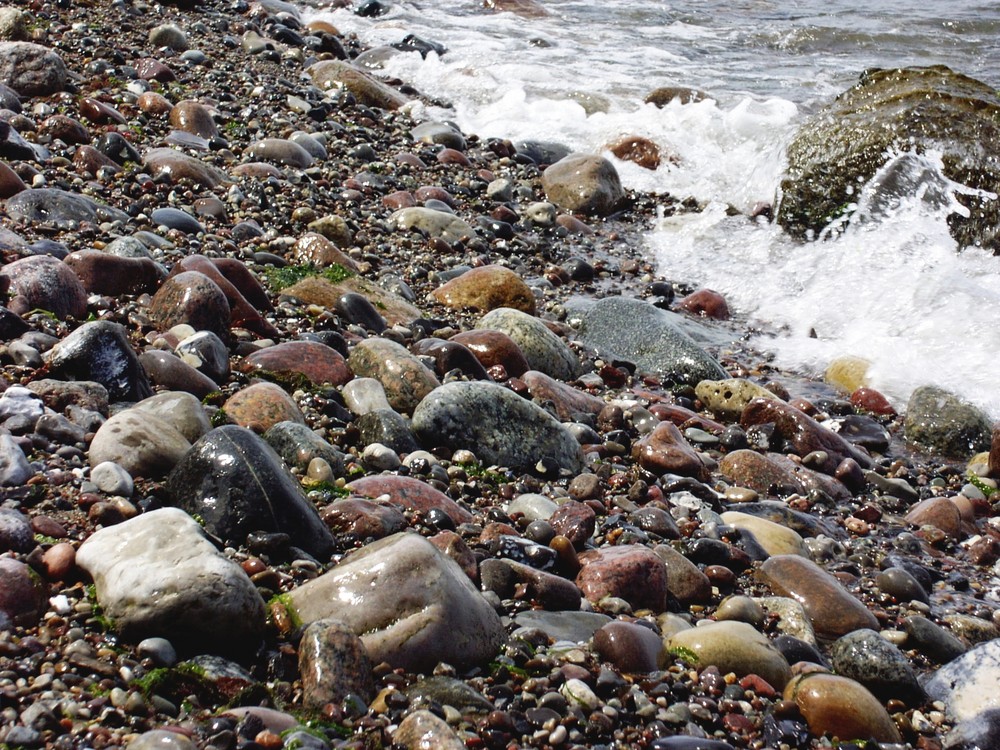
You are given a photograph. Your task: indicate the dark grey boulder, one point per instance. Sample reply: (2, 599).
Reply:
(941, 422)
(60, 209)
(31, 69)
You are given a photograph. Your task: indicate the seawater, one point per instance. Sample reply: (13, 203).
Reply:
(892, 288)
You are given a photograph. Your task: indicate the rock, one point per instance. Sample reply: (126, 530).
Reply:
(140, 442)
(405, 378)
(176, 219)
(449, 356)
(583, 183)
(831, 609)
(297, 445)
(486, 288)
(966, 685)
(631, 572)
(939, 512)
(638, 332)
(100, 351)
(440, 133)
(840, 707)
(333, 664)
(168, 35)
(932, 640)
(773, 537)
(191, 298)
(870, 659)
(161, 739)
(15, 531)
(569, 402)
(41, 282)
(321, 252)
(330, 74)
(236, 484)
(317, 290)
(174, 166)
(22, 596)
(509, 579)
(112, 479)
(412, 606)
(664, 95)
(363, 518)
(409, 493)
(575, 521)
(182, 411)
(10, 182)
(279, 151)
(727, 398)
(60, 209)
(193, 117)
(901, 586)
(576, 627)
(318, 363)
(244, 294)
(261, 406)
(428, 221)
(542, 349)
(157, 575)
(637, 150)
(665, 451)
(14, 24)
(14, 467)
(171, 372)
(888, 111)
(705, 303)
(732, 647)
(496, 424)
(629, 647)
(941, 422)
(685, 581)
(206, 352)
(103, 273)
(365, 395)
(61, 395)
(31, 69)
(422, 729)
(448, 691)
(494, 348)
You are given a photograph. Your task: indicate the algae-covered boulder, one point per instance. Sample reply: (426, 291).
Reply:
(916, 110)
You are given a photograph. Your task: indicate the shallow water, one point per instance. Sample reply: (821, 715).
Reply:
(893, 289)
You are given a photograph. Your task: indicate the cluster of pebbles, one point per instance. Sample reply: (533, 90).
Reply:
(326, 428)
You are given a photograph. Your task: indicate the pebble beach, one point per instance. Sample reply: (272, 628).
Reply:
(321, 427)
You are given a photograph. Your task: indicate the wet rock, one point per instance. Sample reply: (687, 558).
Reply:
(496, 424)
(411, 605)
(365, 395)
(685, 580)
(633, 573)
(664, 95)
(775, 538)
(161, 739)
(575, 521)
(237, 484)
(22, 596)
(939, 421)
(42, 282)
(141, 443)
(576, 627)
(665, 451)
(432, 223)
(831, 609)
(314, 248)
(279, 151)
(583, 183)
(10, 182)
(31, 69)
(316, 290)
(870, 659)
(966, 685)
(193, 117)
(901, 585)
(298, 446)
(705, 303)
(841, 707)
(112, 479)
(569, 402)
(448, 691)
(173, 373)
(261, 406)
(637, 150)
(543, 350)
(638, 332)
(422, 729)
(388, 428)
(100, 351)
(15, 531)
(206, 352)
(368, 91)
(103, 273)
(733, 647)
(486, 288)
(176, 219)
(494, 348)
(410, 493)
(405, 378)
(319, 363)
(449, 356)
(363, 518)
(333, 664)
(157, 574)
(60, 209)
(175, 166)
(194, 299)
(629, 647)
(932, 639)
(727, 398)
(939, 512)
(513, 580)
(356, 309)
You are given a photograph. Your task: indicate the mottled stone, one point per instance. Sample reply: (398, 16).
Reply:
(314, 248)
(775, 538)
(967, 685)
(409, 493)
(428, 221)
(932, 640)
(665, 451)
(685, 581)
(841, 707)
(363, 518)
(333, 664)
(31, 69)
(733, 647)
(194, 299)
(638, 150)
(317, 290)
(100, 351)
(569, 402)
(262, 405)
(60, 209)
(422, 729)
(629, 647)
(543, 350)
(939, 512)
(941, 422)
(141, 443)
(633, 573)
(870, 659)
(298, 445)
(22, 596)
(174, 165)
(486, 288)
(583, 183)
(405, 378)
(318, 363)
(575, 521)
(41, 282)
(726, 398)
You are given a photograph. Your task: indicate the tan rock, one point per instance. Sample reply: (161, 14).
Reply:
(485, 289)
(732, 646)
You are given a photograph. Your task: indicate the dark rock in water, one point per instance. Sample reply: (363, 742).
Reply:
(372, 8)
(796, 650)
(633, 330)
(940, 421)
(689, 743)
(413, 43)
(237, 484)
(60, 209)
(100, 351)
(909, 109)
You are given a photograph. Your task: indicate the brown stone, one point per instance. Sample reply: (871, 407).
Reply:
(410, 493)
(746, 468)
(404, 377)
(244, 295)
(258, 170)
(567, 400)
(637, 150)
(278, 151)
(706, 303)
(453, 156)
(939, 512)
(363, 518)
(494, 348)
(103, 273)
(152, 103)
(22, 598)
(450, 355)
(59, 560)
(665, 451)
(487, 288)
(154, 70)
(663, 95)
(685, 580)
(261, 406)
(10, 183)
(88, 159)
(333, 664)
(630, 572)
(99, 112)
(317, 290)
(41, 282)
(368, 91)
(870, 400)
(832, 610)
(319, 363)
(993, 464)
(629, 647)
(66, 129)
(573, 225)
(574, 520)
(193, 298)
(193, 117)
(840, 707)
(170, 372)
(399, 199)
(175, 166)
(454, 547)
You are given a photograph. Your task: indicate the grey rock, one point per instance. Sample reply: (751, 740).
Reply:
(939, 421)
(160, 650)
(141, 443)
(280, 151)
(933, 640)
(363, 395)
(440, 133)
(584, 183)
(496, 424)
(158, 575)
(967, 685)
(870, 659)
(182, 411)
(206, 352)
(31, 69)
(161, 739)
(448, 692)
(298, 445)
(20, 402)
(14, 467)
(441, 224)
(59, 429)
(578, 627)
(422, 729)
(333, 664)
(174, 218)
(412, 606)
(509, 579)
(168, 35)
(112, 479)
(100, 351)
(543, 350)
(60, 209)
(638, 332)
(389, 428)
(15, 531)
(310, 143)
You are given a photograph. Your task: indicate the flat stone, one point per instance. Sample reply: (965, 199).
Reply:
(100, 351)
(31, 69)
(841, 707)
(140, 442)
(158, 575)
(412, 606)
(279, 151)
(42, 282)
(409, 493)
(630, 572)
(236, 484)
(318, 363)
(60, 209)
(406, 380)
(486, 288)
(330, 74)
(102, 273)
(733, 647)
(543, 350)
(774, 538)
(333, 664)
(583, 183)
(433, 223)
(262, 405)
(496, 424)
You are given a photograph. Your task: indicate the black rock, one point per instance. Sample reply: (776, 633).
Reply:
(413, 43)
(355, 308)
(372, 9)
(100, 351)
(389, 428)
(115, 147)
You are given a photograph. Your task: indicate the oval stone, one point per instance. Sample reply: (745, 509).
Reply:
(315, 361)
(486, 288)
(193, 298)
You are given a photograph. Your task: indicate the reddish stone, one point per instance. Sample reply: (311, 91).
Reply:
(10, 183)
(451, 156)
(41, 282)
(59, 561)
(410, 493)
(154, 70)
(66, 129)
(243, 314)
(22, 599)
(399, 199)
(193, 117)
(100, 112)
(495, 530)
(494, 348)
(576, 521)
(173, 165)
(261, 406)
(572, 224)
(487, 288)
(318, 362)
(258, 170)
(567, 400)
(665, 451)
(631, 572)
(453, 546)
(870, 400)
(637, 150)
(432, 192)
(685, 417)
(103, 273)
(758, 685)
(363, 518)
(411, 160)
(938, 512)
(629, 647)
(48, 526)
(994, 459)
(450, 355)
(984, 551)
(706, 303)
(152, 103)
(88, 159)
(193, 298)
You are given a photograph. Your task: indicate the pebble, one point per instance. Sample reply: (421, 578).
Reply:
(112, 479)
(583, 183)
(487, 288)
(633, 573)
(731, 646)
(404, 378)
(262, 405)
(542, 349)
(841, 707)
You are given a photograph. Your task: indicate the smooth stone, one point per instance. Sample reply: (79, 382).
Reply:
(439, 224)
(406, 380)
(543, 350)
(932, 640)
(727, 398)
(510, 579)
(175, 218)
(318, 363)
(973, 630)
(333, 664)
(174, 166)
(655, 521)
(60, 209)
(569, 402)
(980, 732)
(574, 520)
(206, 352)
(10, 182)
(161, 739)
(773, 537)
(363, 518)
(841, 707)
(638, 332)
(967, 684)
(741, 609)
(169, 371)
(89, 159)
(42, 282)
(637, 150)
(356, 309)
(66, 129)
(421, 730)
(102, 273)
(182, 411)
(494, 348)
(664, 95)
(575, 627)
(314, 248)
(733, 646)
(532, 506)
(31, 69)
(685, 581)
(440, 133)
(100, 351)
(679, 742)
(412, 606)
(298, 446)
(870, 659)
(496, 424)
(158, 575)
(141, 443)
(831, 609)
(14, 467)
(941, 422)
(665, 451)
(317, 290)
(804, 524)
(16, 534)
(387, 428)
(448, 691)
(310, 143)
(244, 293)
(583, 183)
(22, 595)
(262, 405)
(409, 493)
(194, 299)
(193, 117)
(630, 572)
(14, 24)
(938, 512)
(128, 247)
(236, 484)
(112, 479)
(150, 69)
(364, 395)
(487, 288)
(279, 151)
(334, 228)
(336, 74)
(901, 586)
(629, 647)
(449, 356)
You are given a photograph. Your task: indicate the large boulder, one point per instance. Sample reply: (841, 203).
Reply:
(910, 109)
